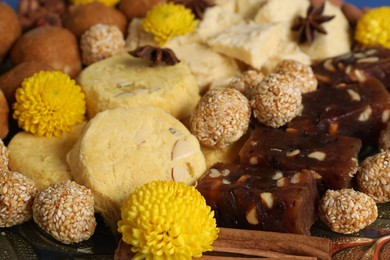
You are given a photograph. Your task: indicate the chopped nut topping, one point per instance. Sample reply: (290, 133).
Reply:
(181, 149)
(368, 60)
(267, 199)
(251, 216)
(277, 175)
(366, 114)
(296, 178)
(293, 153)
(354, 95)
(320, 156)
(214, 173)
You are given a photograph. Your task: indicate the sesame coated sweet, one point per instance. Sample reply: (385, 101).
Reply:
(278, 100)
(17, 194)
(3, 156)
(248, 82)
(302, 74)
(347, 211)
(99, 42)
(65, 210)
(221, 117)
(373, 176)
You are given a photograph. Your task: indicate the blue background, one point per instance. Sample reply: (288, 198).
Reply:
(360, 3)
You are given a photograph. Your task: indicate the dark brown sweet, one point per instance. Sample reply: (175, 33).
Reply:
(359, 109)
(261, 198)
(355, 66)
(137, 9)
(82, 17)
(4, 112)
(54, 46)
(10, 29)
(333, 157)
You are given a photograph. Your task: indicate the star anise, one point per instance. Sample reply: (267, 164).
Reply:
(307, 27)
(155, 54)
(198, 7)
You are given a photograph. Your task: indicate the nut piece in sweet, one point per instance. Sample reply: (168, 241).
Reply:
(100, 42)
(221, 117)
(65, 210)
(278, 100)
(247, 83)
(17, 194)
(302, 74)
(373, 176)
(347, 211)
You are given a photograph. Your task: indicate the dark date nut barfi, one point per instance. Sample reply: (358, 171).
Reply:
(359, 110)
(333, 157)
(261, 198)
(355, 66)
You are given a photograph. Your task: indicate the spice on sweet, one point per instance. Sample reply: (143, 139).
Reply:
(374, 27)
(49, 103)
(167, 20)
(167, 220)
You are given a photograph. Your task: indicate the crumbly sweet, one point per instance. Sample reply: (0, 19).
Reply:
(65, 210)
(373, 176)
(125, 81)
(42, 159)
(302, 74)
(99, 42)
(121, 149)
(248, 82)
(277, 100)
(17, 194)
(221, 117)
(347, 211)
(4, 156)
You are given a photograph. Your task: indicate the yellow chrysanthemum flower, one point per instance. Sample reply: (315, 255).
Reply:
(110, 3)
(168, 20)
(374, 27)
(48, 103)
(167, 220)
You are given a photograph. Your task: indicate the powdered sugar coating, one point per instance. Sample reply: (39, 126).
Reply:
(99, 42)
(248, 82)
(373, 176)
(17, 194)
(347, 211)
(302, 74)
(65, 210)
(221, 117)
(278, 100)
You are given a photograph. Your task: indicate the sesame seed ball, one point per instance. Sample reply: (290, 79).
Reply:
(221, 117)
(99, 42)
(347, 211)
(373, 176)
(277, 100)
(17, 194)
(65, 211)
(3, 156)
(248, 82)
(302, 74)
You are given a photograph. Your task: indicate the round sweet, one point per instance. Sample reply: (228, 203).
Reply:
(137, 9)
(42, 159)
(17, 194)
(221, 117)
(125, 81)
(347, 211)
(373, 176)
(248, 82)
(4, 116)
(54, 46)
(10, 29)
(277, 101)
(65, 210)
(302, 75)
(122, 149)
(80, 18)
(100, 42)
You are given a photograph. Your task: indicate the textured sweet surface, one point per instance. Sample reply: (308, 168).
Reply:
(42, 159)
(124, 148)
(125, 81)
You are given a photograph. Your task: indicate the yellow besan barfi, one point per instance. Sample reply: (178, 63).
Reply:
(42, 159)
(126, 81)
(123, 148)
